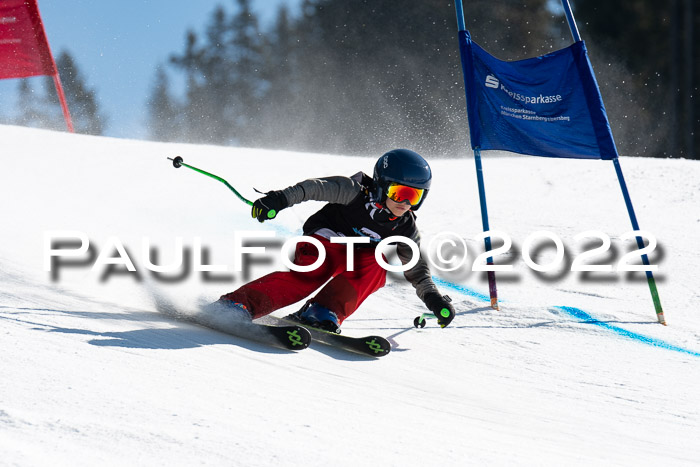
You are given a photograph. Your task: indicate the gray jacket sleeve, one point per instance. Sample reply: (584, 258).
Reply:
(419, 275)
(337, 189)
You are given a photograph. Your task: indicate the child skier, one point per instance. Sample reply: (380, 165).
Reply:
(375, 207)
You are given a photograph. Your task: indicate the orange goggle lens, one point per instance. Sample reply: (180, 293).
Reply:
(402, 193)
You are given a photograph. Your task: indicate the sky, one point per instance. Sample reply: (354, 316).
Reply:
(117, 46)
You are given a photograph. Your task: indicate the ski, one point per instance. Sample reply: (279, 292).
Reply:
(374, 346)
(292, 337)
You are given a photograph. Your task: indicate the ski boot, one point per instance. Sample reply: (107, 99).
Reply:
(317, 316)
(228, 308)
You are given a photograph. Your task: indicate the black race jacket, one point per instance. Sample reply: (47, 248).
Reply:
(351, 212)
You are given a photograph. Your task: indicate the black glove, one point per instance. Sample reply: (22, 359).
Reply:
(269, 205)
(441, 307)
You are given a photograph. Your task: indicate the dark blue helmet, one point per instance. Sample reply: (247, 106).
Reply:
(404, 167)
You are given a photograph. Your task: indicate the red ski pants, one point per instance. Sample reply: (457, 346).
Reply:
(343, 294)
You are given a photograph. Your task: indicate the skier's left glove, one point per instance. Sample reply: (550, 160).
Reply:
(441, 307)
(269, 205)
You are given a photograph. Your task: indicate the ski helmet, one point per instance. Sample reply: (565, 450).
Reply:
(404, 167)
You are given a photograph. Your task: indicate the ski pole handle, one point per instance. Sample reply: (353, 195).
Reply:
(179, 162)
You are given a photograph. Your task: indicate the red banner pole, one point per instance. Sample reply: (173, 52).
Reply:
(64, 104)
(56, 76)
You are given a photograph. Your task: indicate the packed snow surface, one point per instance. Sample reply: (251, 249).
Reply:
(572, 370)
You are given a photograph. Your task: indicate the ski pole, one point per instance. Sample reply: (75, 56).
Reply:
(421, 320)
(178, 162)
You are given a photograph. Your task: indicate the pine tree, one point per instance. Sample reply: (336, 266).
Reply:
(281, 115)
(248, 84)
(631, 51)
(208, 68)
(82, 101)
(224, 78)
(163, 110)
(44, 110)
(218, 70)
(32, 109)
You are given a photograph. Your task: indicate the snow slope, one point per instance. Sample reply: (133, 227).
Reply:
(573, 370)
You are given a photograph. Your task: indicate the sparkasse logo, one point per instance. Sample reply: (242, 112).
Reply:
(491, 82)
(494, 83)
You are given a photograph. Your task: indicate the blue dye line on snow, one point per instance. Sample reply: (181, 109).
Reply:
(586, 318)
(578, 314)
(461, 289)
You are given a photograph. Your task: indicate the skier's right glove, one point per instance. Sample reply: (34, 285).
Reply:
(441, 307)
(269, 205)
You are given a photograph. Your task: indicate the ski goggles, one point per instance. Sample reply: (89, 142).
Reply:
(403, 193)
